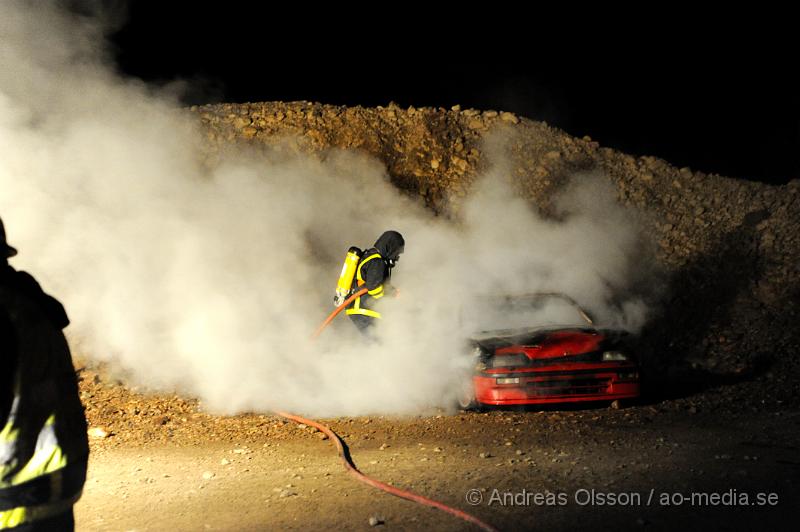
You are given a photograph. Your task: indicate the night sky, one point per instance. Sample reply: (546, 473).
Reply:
(719, 102)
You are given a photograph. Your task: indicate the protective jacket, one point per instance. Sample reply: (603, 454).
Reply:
(43, 442)
(374, 271)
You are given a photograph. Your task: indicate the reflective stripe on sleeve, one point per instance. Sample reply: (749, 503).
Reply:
(47, 456)
(23, 515)
(50, 488)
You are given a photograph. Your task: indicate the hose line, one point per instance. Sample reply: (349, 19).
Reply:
(351, 468)
(336, 312)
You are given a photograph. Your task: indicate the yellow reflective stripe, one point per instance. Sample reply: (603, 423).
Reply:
(47, 457)
(377, 293)
(12, 518)
(9, 434)
(363, 262)
(21, 515)
(364, 312)
(43, 462)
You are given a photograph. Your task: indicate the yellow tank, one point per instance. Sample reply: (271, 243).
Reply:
(345, 283)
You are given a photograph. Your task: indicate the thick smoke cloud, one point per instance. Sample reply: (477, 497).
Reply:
(209, 281)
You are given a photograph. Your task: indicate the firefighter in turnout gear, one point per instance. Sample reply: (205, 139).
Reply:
(375, 272)
(43, 441)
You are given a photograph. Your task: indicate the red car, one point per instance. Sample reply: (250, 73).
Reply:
(550, 363)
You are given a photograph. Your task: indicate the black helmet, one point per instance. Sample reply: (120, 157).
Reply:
(5, 250)
(390, 245)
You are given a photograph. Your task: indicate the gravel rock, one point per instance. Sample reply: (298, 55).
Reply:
(97, 432)
(509, 117)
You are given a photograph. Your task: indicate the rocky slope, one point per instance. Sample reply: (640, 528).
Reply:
(731, 248)
(726, 331)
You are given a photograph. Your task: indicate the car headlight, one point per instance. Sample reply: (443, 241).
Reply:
(509, 361)
(611, 356)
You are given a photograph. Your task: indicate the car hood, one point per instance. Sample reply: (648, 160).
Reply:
(545, 342)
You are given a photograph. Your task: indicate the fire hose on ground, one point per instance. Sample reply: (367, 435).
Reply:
(350, 466)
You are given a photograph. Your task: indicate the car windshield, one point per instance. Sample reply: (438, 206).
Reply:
(524, 311)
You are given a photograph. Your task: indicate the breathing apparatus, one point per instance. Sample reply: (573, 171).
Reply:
(345, 285)
(391, 262)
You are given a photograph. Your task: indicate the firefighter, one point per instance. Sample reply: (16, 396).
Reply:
(375, 272)
(43, 440)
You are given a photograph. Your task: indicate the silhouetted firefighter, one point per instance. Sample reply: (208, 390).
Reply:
(43, 443)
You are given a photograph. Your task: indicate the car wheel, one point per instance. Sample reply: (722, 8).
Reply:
(466, 396)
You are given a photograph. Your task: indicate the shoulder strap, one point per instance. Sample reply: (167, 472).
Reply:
(363, 262)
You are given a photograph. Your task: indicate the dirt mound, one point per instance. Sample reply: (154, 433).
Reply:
(730, 248)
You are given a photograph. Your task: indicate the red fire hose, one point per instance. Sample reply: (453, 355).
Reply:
(337, 311)
(351, 468)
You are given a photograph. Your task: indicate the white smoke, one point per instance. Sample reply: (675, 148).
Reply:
(209, 281)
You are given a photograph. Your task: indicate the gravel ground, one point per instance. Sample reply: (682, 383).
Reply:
(532, 469)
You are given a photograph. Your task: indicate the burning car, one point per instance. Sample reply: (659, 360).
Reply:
(542, 364)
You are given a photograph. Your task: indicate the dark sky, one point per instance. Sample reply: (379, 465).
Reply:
(718, 101)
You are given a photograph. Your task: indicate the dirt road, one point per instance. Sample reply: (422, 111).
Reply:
(676, 464)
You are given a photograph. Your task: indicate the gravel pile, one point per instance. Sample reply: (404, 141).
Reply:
(725, 333)
(729, 248)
